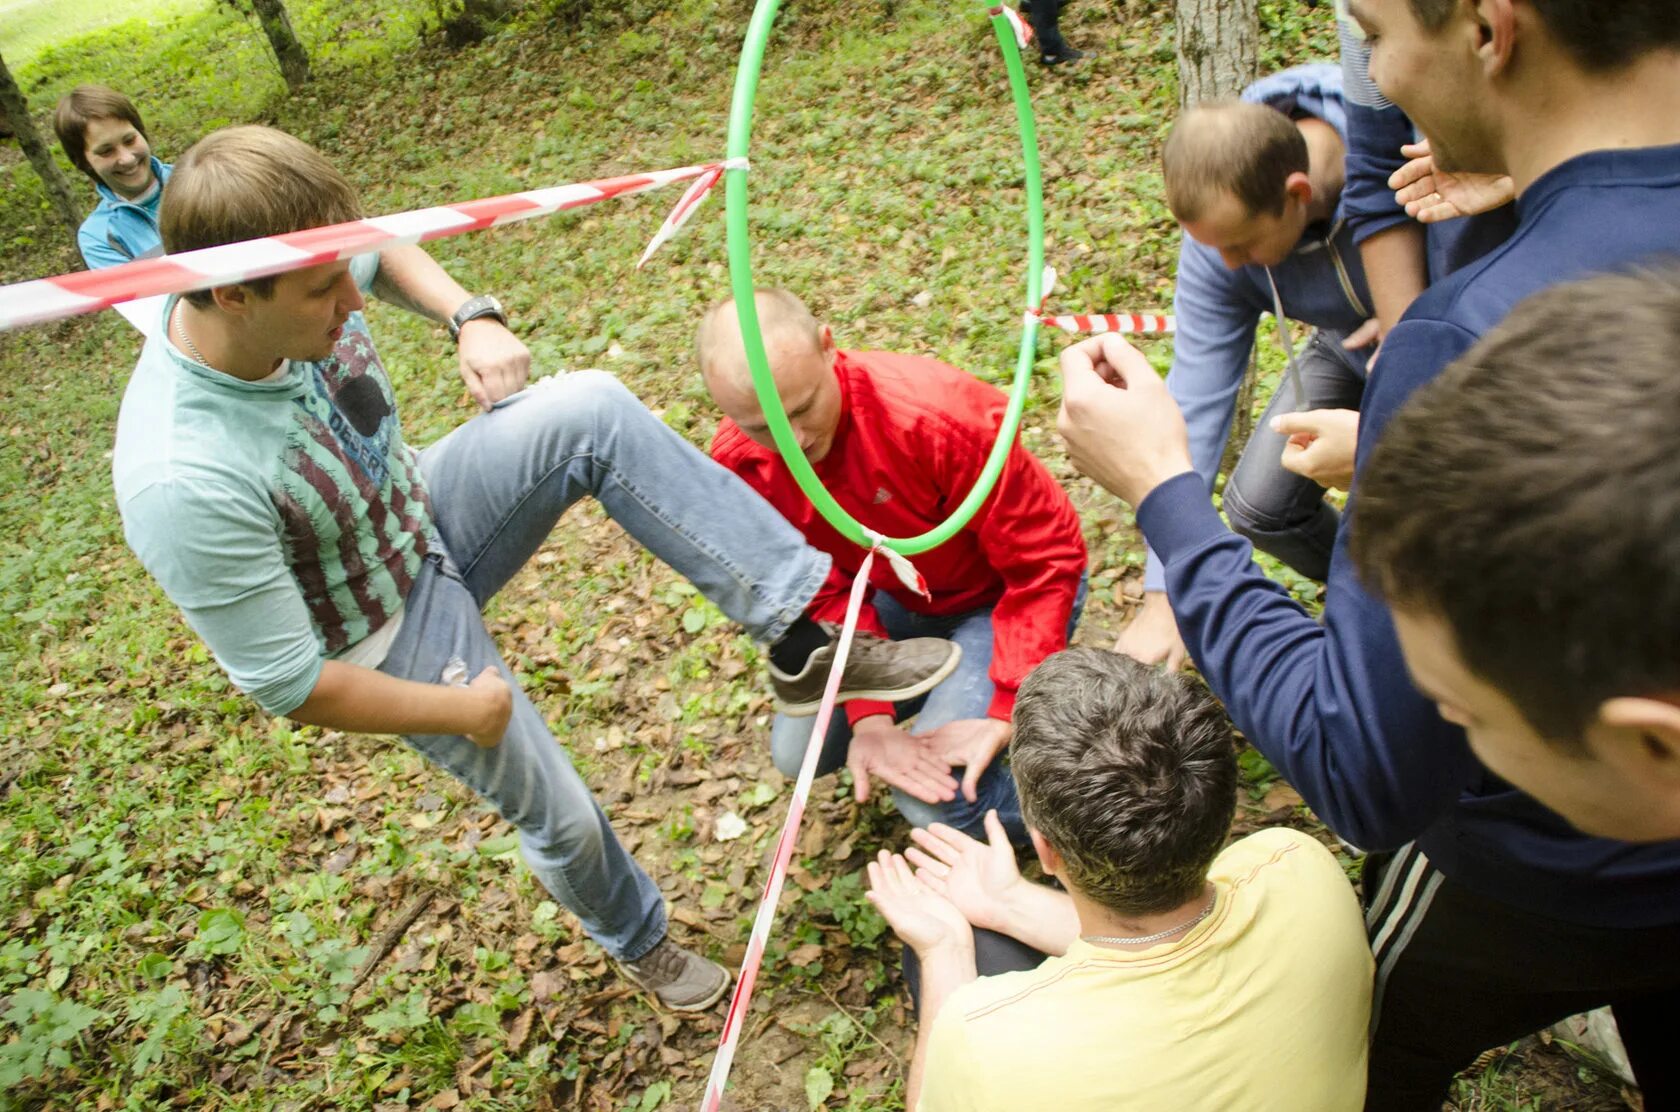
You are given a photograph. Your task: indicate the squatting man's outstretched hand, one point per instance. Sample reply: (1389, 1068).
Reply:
(982, 880)
(880, 748)
(971, 744)
(1121, 426)
(979, 878)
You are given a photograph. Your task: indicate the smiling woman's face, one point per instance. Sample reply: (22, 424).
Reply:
(120, 155)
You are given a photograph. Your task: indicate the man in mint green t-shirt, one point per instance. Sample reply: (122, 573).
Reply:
(337, 574)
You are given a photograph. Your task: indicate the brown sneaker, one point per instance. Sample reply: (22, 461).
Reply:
(681, 979)
(876, 668)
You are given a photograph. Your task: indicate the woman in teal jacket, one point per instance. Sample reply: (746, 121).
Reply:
(103, 135)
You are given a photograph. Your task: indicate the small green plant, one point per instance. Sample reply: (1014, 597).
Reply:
(43, 1029)
(842, 900)
(839, 1037)
(1256, 771)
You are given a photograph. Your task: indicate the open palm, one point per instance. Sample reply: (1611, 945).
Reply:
(923, 918)
(975, 876)
(1431, 194)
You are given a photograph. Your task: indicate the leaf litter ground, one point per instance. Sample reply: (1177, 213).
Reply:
(206, 908)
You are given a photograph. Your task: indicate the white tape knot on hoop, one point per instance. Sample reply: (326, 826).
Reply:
(901, 566)
(1023, 33)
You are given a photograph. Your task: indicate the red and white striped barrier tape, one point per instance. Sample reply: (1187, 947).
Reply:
(1142, 323)
(685, 208)
(68, 295)
(731, 1037)
(1129, 323)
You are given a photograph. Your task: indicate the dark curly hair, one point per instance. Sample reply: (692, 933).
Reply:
(1129, 773)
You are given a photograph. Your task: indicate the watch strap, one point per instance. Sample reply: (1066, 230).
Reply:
(481, 306)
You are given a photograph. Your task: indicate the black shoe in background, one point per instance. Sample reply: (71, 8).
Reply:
(1065, 54)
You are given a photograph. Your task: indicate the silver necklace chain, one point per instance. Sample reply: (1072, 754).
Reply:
(181, 331)
(1156, 937)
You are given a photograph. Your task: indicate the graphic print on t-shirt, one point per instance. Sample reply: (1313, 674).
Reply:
(349, 494)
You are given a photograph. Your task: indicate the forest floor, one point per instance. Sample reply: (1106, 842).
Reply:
(201, 906)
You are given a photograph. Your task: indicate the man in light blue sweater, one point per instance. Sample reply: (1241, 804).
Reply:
(1257, 186)
(337, 573)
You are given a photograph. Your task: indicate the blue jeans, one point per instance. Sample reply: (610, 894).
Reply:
(965, 693)
(499, 483)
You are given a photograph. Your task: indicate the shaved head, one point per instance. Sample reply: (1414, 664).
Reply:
(801, 353)
(785, 323)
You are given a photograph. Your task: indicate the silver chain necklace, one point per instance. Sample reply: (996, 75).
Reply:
(1157, 936)
(181, 331)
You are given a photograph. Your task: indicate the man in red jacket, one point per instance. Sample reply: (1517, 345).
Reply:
(899, 441)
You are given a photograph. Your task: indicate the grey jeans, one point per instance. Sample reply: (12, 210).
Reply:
(1282, 513)
(499, 484)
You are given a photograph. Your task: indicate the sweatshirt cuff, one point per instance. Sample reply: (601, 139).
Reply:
(1003, 704)
(1364, 227)
(1178, 515)
(1154, 572)
(859, 709)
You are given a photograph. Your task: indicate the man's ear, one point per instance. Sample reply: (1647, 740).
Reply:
(825, 338)
(1494, 24)
(1048, 858)
(1657, 722)
(1298, 187)
(232, 299)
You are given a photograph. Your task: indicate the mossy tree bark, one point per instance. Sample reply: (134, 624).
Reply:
(1218, 47)
(15, 110)
(1218, 55)
(294, 62)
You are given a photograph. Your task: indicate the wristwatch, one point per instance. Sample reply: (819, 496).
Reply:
(481, 306)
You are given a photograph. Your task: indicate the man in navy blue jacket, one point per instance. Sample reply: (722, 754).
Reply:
(1490, 915)
(1506, 552)
(1402, 255)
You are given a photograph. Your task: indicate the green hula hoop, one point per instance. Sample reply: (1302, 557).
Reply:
(741, 282)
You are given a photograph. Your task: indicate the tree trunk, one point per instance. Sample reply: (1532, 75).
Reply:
(1218, 55)
(16, 112)
(1242, 421)
(1218, 48)
(294, 63)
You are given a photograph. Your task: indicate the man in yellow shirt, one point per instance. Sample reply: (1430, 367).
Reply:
(1184, 977)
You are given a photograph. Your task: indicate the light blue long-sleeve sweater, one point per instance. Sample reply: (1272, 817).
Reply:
(118, 230)
(1321, 284)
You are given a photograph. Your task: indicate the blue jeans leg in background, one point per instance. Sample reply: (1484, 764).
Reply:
(965, 693)
(499, 484)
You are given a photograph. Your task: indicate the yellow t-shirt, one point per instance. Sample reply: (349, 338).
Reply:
(1262, 1006)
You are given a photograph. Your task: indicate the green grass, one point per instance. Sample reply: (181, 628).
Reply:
(29, 26)
(190, 889)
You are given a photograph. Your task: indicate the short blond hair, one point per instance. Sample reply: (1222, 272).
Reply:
(248, 182)
(1231, 146)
